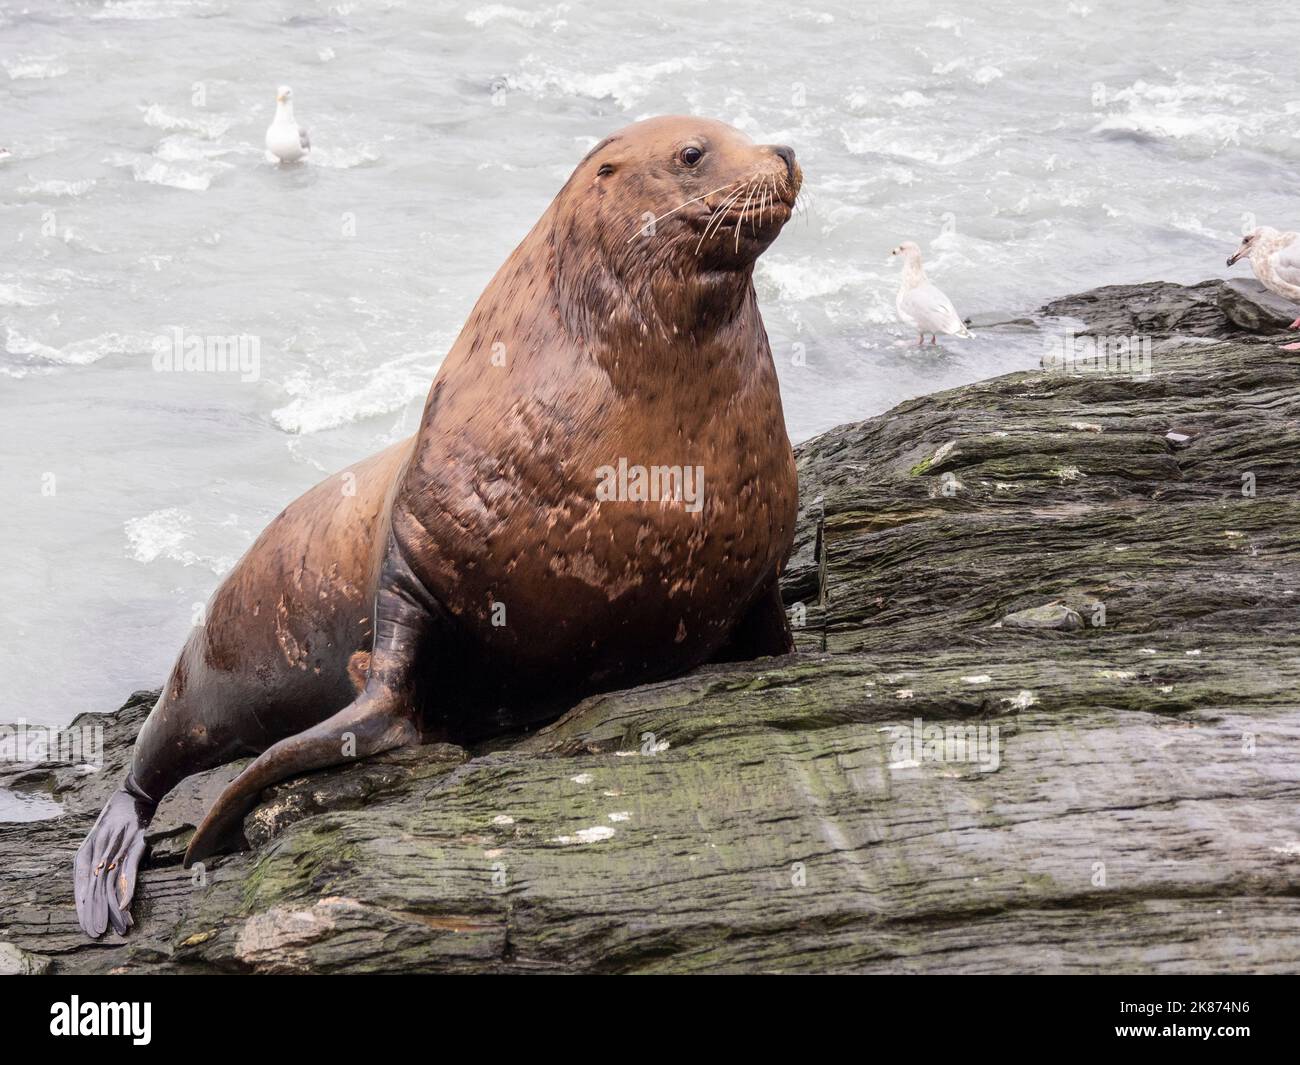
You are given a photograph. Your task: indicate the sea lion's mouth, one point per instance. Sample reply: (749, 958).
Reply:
(756, 215)
(756, 210)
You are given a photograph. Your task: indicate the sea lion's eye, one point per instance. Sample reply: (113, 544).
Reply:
(691, 156)
(605, 170)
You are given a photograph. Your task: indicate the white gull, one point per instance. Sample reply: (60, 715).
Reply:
(285, 139)
(1275, 258)
(921, 304)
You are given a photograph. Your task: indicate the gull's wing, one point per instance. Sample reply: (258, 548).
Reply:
(931, 310)
(1286, 260)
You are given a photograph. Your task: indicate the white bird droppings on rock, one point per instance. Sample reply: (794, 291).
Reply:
(1023, 700)
(620, 815)
(503, 819)
(977, 678)
(581, 778)
(595, 834)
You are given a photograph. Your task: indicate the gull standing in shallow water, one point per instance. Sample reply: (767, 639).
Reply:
(921, 304)
(1275, 258)
(285, 139)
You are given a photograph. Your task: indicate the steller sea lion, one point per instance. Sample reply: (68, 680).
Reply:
(601, 493)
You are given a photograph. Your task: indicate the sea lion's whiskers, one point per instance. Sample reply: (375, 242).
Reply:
(760, 191)
(717, 218)
(741, 220)
(640, 230)
(720, 212)
(801, 203)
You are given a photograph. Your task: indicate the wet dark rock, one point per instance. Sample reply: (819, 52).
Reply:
(1142, 813)
(1048, 616)
(1219, 308)
(1249, 306)
(1001, 322)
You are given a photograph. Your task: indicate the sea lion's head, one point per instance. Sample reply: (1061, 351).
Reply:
(696, 184)
(669, 204)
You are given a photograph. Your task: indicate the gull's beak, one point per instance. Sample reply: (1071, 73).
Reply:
(1236, 255)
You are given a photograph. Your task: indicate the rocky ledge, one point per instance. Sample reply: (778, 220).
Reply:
(1091, 576)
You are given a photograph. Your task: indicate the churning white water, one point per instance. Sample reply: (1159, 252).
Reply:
(1030, 149)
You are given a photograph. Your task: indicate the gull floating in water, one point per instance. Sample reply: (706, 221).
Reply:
(921, 304)
(285, 139)
(1275, 258)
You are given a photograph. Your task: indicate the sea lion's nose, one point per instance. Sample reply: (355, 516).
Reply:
(786, 153)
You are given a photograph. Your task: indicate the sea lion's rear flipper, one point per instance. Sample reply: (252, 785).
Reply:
(380, 718)
(107, 862)
(367, 726)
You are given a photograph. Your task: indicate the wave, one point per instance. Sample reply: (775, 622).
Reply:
(626, 84)
(210, 126)
(910, 99)
(838, 290)
(166, 534)
(35, 68)
(342, 157)
(154, 171)
(55, 187)
(913, 145)
(79, 352)
(382, 390)
(183, 148)
(807, 14)
(1179, 111)
(807, 278)
(15, 294)
(482, 16)
(152, 10)
(1159, 124)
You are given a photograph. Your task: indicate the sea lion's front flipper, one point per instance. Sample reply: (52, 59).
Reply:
(108, 859)
(382, 717)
